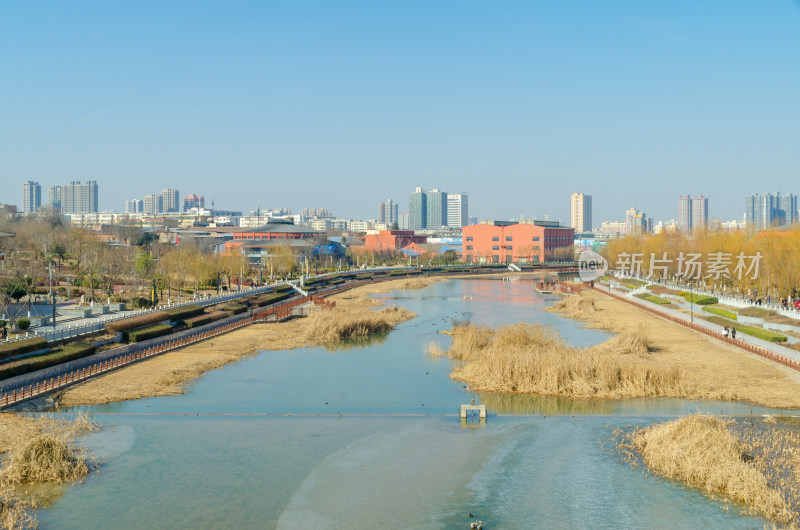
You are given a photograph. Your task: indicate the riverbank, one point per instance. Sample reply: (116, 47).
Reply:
(754, 463)
(709, 367)
(38, 455)
(169, 374)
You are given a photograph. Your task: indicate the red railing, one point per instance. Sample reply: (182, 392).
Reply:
(279, 312)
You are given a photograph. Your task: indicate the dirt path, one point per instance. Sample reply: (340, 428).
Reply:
(717, 368)
(168, 374)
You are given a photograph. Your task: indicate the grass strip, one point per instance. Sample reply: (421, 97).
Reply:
(753, 331)
(721, 312)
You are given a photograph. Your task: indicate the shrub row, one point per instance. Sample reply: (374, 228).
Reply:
(11, 349)
(753, 331)
(721, 312)
(149, 332)
(653, 299)
(282, 289)
(234, 309)
(206, 319)
(699, 299)
(270, 299)
(180, 313)
(66, 354)
(137, 322)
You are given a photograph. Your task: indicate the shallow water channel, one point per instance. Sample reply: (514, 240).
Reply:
(367, 436)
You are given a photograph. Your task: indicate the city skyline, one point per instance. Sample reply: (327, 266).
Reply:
(647, 101)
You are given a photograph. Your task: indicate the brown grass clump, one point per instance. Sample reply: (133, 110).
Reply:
(333, 325)
(37, 450)
(417, 283)
(45, 458)
(629, 342)
(48, 455)
(580, 306)
(534, 359)
(703, 452)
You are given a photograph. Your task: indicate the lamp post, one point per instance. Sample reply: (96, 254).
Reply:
(691, 302)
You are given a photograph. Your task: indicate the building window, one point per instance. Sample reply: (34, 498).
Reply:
(495, 259)
(509, 238)
(469, 247)
(496, 238)
(495, 247)
(508, 247)
(469, 238)
(536, 238)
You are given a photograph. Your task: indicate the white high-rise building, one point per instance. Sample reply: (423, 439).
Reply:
(170, 199)
(54, 197)
(79, 198)
(133, 206)
(152, 204)
(457, 209)
(31, 197)
(581, 218)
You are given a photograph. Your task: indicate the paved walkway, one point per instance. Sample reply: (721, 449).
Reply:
(770, 350)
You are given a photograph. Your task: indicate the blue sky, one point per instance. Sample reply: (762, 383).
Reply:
(344, 104)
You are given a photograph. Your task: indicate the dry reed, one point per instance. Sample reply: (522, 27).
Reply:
(534, 359)
(38, 450)
(580, 306)
(417, 283)
(14, 512)
(325, 326)
(705, 452)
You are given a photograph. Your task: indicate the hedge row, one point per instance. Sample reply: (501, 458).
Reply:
(66, 354)
(721, 312)
(282, 289)
(150, 332)
(181, 313)
(137, 322)
(753, 331)
(234, 309)
(11, 349)
(699, 299)
(270, 299)
(758, 312)
(653, 299)
(206, 319)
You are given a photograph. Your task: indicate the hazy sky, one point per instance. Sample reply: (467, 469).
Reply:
(342, 104)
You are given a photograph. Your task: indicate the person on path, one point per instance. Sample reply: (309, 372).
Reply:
(733, 333)
(725, 334)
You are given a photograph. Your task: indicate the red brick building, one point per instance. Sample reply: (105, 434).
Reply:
(391, 240)
(506, 242)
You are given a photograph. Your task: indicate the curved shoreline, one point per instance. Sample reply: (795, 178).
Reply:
(706, 362)
(169, 373)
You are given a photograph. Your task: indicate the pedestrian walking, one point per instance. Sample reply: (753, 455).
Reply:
(725, 334)
(733, 333)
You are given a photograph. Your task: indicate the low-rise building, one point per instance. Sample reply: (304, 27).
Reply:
(526, 242)
(391, 240)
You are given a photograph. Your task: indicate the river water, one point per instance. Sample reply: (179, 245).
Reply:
(367, 436)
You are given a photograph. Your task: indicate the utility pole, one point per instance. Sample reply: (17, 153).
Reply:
(52, 293)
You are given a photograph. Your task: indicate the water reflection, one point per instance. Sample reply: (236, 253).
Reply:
(543, 405)
(355, 343)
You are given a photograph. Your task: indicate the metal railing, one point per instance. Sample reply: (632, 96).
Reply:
(37, 383)
(70, 331)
